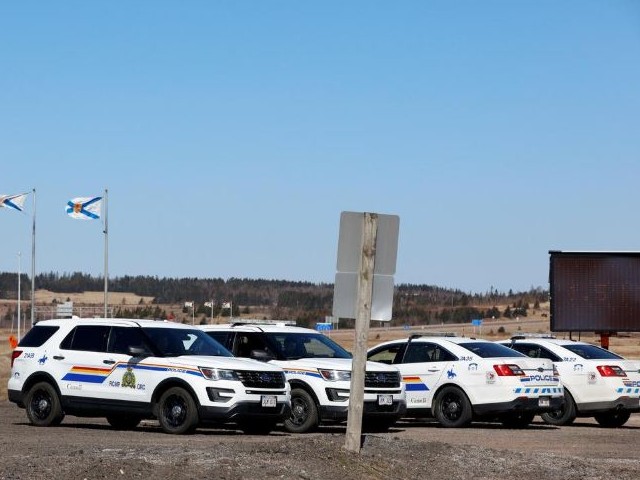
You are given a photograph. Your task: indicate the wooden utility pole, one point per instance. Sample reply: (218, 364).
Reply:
(363, 318)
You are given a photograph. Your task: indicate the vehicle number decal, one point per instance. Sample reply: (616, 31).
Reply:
(30, 355)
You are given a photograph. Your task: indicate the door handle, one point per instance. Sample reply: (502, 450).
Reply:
(58, 357)
(433, 370)
(109, 362)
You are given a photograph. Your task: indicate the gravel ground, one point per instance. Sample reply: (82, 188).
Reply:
(90, 449)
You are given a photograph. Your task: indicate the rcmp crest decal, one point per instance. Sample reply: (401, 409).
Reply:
(129, 378)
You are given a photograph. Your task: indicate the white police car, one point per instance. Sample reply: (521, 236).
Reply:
(597, 382)
(319, 371)
(457, 379)
(129, 370)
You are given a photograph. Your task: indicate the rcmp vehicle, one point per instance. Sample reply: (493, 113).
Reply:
(597, 382)
(319, 371)
(457, 379)
(129, 370)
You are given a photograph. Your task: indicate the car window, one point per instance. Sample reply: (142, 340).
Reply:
(535, 351)
(388, 354)
(223, 338)
(87, 338)
(122, 338)
(418, 352)
(175, 342)
(489, 350)
(292, 346)
(591, 352)
(246, 342)
(38, 335)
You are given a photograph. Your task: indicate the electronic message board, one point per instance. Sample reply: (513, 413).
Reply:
(595, 291)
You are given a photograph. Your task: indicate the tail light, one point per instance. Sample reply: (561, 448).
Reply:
(15, 354)
(509, 370)
(611, 371)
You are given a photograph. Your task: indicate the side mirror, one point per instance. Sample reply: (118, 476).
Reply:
(261, 355)
(137, 351)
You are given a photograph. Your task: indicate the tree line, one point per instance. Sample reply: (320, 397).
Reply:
(304, 302)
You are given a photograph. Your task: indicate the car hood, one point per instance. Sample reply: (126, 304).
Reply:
(230, 363)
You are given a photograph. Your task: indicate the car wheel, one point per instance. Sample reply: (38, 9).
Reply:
(43, 405)
(123, 422)
(565, 415)
(452, 408)
(517, 419)
(304, 412)
(177, 411)
(612, 419)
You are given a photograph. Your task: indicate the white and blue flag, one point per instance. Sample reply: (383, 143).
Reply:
(84, 208)
(15, 202)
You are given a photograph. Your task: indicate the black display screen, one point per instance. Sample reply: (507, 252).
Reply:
(595, 291)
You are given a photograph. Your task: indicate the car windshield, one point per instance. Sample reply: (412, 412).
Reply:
(592, 352)
(292, 346)
(175, 342)
(490, 350)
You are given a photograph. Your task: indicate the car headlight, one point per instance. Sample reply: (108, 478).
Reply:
(335, 375)
(218, 373)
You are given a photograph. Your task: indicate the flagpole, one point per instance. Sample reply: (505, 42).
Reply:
(106, 254)
(33, 262)
(19, 312)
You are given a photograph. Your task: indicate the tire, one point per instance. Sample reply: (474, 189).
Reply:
(258, 427)
(123, 421)
(517, 419)
(43, 405)
(177, 411)
(613, 419)
(304, 412)
(565, 415)
(452, 408)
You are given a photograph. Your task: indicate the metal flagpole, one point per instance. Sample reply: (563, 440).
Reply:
(19, 273)
(230, 311)
(106, 254)
(33, 262)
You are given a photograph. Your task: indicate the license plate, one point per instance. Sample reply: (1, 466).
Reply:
(544, 402)
(268, 400)
(385, 400)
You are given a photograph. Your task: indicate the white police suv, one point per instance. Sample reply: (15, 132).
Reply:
(597, 382)
(319, 371)
(457, 379)
(129, 370)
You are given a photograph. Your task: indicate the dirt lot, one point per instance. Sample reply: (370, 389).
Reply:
(90, 449)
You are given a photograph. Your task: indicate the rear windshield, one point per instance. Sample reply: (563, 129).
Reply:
(38, 335)
(490, 350)
(591, 352)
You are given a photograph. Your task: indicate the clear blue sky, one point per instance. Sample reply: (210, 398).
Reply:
(232, 134)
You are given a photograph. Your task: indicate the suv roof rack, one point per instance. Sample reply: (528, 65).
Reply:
(522, 336)
(257, 322)
(432, 334)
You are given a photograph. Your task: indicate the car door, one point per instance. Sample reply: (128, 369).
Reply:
(133, 378)
(79, 363)
(423, 365)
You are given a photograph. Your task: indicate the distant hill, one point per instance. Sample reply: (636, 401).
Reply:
(305, 302)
